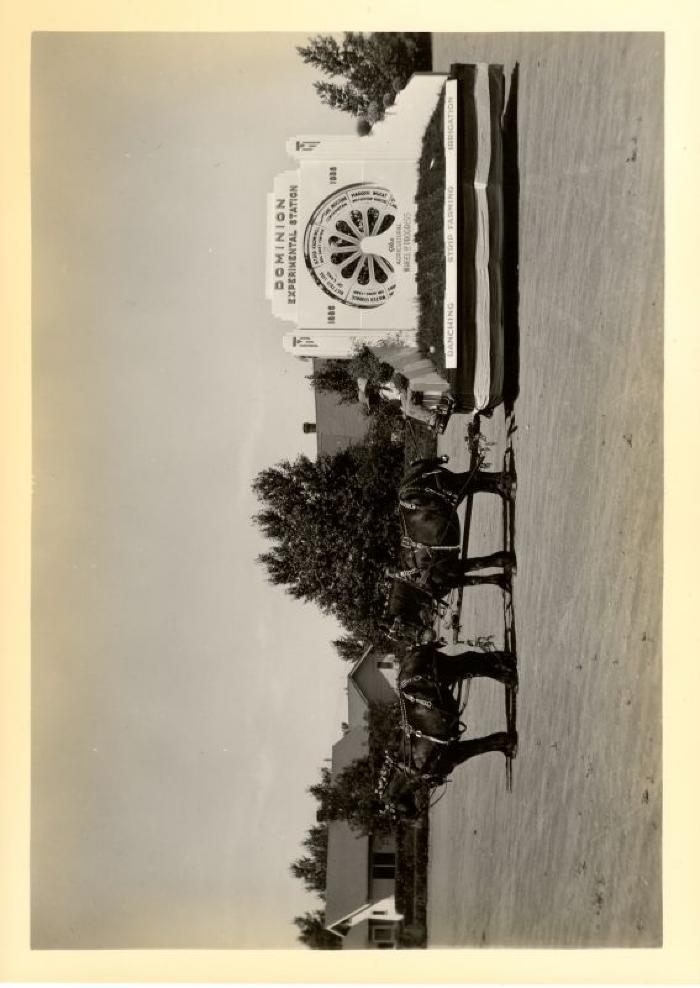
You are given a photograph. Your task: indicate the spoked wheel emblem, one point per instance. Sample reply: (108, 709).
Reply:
(349, 245)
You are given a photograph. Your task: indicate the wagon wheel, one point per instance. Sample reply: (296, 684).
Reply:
(347, 245)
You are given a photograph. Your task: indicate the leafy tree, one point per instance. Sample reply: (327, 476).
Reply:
(313, 933)
(335, 376)
(341, 376)
(351, 794)
(364, 363)
(384, 733)
(334, 528)
(350, 797)
(311, 868)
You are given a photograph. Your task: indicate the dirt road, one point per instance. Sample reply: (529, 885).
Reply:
(572, 856)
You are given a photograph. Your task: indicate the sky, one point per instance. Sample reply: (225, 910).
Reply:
(180, 704)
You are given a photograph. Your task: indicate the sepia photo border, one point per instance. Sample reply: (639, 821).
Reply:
(679, 960)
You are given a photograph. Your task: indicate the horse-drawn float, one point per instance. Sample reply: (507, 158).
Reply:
(430, 745)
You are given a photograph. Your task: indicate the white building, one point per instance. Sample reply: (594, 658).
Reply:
(361, 868)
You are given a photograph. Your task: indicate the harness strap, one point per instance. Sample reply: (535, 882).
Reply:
(415, 733)
(408, 543)
(409, 574)
(428, 704)
(419, 700)
(418, 678)
(409, 506)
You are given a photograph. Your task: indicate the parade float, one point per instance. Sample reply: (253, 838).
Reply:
(395, 240)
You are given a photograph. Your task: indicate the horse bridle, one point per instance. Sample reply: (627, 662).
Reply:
(408, 732)
(451, 499)
(428, 704)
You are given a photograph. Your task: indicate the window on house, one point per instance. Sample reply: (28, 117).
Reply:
(383, 864)
(383, 934)
(383, 871)
(385, 665)
(383, 857)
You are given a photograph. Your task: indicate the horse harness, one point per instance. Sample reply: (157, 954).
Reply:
(409, 731)
(449, 497)
(451, 500)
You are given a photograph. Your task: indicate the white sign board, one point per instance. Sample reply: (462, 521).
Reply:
(450, 224)
(358, 222)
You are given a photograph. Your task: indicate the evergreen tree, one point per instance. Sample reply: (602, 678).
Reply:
(341, 376)
(375, 67)
(311, 867)
(335, 376)
(334, 528)
(325, 54)
(313, 933)
(350, 648)
(347, 98)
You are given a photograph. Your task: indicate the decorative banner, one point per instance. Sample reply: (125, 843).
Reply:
(450, 321)
(482, 368)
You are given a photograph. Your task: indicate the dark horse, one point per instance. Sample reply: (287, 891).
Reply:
(416, 593)
(431, 747)
(440, 572)
(410, 612)
(429, 496)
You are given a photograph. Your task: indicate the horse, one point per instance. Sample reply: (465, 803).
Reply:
(431, 747)
(429, 496)
(410, 611)
(418, 594)
(440, 573)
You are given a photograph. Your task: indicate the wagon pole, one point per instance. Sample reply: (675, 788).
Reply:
(415, 874)
(508, 611)
(473, 465)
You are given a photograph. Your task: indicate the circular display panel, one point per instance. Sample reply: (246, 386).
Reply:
(349, 245)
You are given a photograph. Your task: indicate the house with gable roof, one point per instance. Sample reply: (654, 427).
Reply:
(361, 868)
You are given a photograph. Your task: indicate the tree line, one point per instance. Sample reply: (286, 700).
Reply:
(333, 527)
(333, 523)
